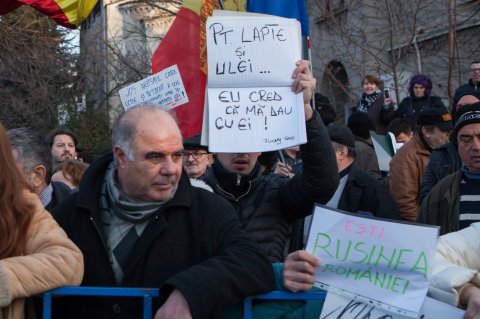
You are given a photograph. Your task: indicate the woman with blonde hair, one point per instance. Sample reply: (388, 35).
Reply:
(35, 253)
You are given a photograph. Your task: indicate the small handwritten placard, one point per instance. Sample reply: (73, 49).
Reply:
(164, 88)
(386, 263)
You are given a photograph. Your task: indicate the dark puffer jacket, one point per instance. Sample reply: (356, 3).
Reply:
(272, 203)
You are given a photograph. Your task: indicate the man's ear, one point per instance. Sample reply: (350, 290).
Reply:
(120, 155)
(343, 152)
(38, 176)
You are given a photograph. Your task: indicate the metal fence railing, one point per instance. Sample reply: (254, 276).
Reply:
(148, 293)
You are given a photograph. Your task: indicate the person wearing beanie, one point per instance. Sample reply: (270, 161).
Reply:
(454, 203)
(408, 165)
(420, 98)
(445, 159)
(366, 159)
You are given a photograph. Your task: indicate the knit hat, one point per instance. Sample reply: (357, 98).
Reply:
(341, 134)
(467, 115)
(438, 117)
(360, 124)
(193, 143)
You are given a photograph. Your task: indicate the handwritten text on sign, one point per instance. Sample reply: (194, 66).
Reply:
(251, 107)
(384, 261)
(341, 307)
(266, 118)
(164, 88)
(252, 52)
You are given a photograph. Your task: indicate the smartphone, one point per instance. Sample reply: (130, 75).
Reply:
(386, 93)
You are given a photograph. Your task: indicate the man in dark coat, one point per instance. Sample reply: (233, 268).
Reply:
(473, 85)
(34, 160)
(357, 191)
(268, 205)
(140, 223)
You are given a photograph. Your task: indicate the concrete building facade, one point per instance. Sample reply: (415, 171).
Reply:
(394, 40)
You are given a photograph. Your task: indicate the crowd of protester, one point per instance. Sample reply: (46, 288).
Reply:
(211, 229)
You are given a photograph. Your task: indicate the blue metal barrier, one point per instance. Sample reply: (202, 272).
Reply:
(281, 295)
(146, 293)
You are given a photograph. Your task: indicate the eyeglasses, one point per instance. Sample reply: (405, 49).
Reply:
(195, 154)
(474, 70)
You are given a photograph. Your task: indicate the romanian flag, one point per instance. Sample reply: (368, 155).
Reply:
(68, 13)
(185, 44)
(296, 9)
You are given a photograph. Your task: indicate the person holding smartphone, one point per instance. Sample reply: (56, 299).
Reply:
(420, 98)
(378, 107)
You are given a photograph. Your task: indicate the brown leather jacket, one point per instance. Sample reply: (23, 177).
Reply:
(406, 176)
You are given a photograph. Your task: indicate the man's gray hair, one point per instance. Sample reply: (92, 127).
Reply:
(32, 150)
(124, 128)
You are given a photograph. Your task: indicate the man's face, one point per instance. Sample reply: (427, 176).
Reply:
(475, 72)
(241, 163)
(63, 148)
(469, 146)
(403, 138)
(436, 137)
(196, 162)
(418, 90)
(154, 173)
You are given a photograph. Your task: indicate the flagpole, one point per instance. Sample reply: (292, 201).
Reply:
(309, 52)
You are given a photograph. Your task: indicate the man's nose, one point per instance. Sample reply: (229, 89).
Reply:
(168, 166)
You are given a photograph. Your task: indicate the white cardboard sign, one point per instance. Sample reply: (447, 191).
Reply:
(251, 107)
(164, 88)
(386, 263)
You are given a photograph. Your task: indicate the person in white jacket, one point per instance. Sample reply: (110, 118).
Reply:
(455, 278)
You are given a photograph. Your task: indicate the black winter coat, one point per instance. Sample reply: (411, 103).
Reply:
(60, 192)
(194, 243)
(418, 104)
(363, 193)
(272, 203)
(442, 161)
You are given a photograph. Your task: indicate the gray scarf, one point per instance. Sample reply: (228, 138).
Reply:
(125, 207)
(121, 215)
